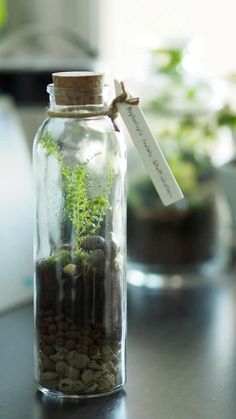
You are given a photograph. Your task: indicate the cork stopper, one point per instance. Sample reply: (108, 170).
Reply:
(78, 88)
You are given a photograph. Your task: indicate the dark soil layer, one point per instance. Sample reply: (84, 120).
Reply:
(173, 237)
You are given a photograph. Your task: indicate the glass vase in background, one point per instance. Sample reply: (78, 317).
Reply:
(188, 242)
(80, 243)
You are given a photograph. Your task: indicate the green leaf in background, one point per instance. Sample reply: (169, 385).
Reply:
(3, 12)
(168, 59)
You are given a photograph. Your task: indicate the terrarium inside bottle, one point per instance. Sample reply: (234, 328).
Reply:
(80, 243)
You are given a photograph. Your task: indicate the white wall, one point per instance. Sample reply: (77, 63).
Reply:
(127, 23)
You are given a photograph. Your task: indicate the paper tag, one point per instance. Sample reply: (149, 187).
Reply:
(149, 151)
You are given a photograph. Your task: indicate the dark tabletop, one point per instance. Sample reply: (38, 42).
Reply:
(181, 360)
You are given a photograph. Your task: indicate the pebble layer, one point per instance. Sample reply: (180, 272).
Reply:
(77, 360)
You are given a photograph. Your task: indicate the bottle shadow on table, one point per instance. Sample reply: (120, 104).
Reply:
(107, 407)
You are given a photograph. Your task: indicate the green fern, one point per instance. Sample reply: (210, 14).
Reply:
(51, 147)
(85, 213)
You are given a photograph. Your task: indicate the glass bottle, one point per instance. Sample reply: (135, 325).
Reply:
(80, 243)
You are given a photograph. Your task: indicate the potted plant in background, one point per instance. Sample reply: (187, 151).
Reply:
(227, 172)
(192, 236)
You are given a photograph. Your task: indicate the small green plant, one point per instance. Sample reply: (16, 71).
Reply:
(85, 212)
(51, 146)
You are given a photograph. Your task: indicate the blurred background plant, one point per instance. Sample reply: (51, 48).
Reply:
(3, 13)
(185, 110)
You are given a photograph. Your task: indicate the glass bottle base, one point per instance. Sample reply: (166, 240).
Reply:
(159, 277)
(61, 395)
